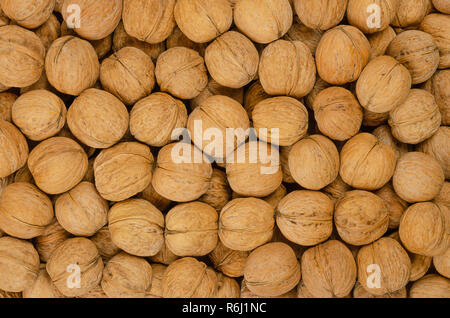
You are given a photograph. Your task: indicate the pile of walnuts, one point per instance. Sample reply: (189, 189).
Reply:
(350, 98)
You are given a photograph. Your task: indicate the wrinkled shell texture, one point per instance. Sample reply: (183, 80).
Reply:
(13, 150)
(396, 205)
(228, 261)
(438, 146)
(6, 102)
(359, 13)
(53, 235)
(320, 14)
(437, 85)
(442, 5)
(219, 192)
(384, 134)
(436, 24)
(300, 32)
(430, 286)
(410, 12)
(29, 14)
(380, 41)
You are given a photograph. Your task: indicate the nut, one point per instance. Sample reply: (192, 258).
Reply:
(28, 13)
(53, 235)
(300, 32)
(411, 12)
(430, 286)
(105, 246)
(435, 24)
(437, 85)
(214, 88)
(359, 13)
(13, 149)
(442, 263)
(438, 146)
(384, 134)
(320, 14)
(219, 192)
(395, 205)
(6, 102)
(228, 261)
(380, 41)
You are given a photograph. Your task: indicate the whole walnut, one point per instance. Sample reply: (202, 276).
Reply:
(305, 217)
(299, 32)
(19, 264)
(155, 198)
(98, 18)
(442, 5)
(411, 12)
(384, 134)
(314, 162)
(383, 84)
(437, 85)
(53, 235)
(360, 14)
(203, 20)
(418, 52)
(338, 113)
(366, 163)
(430, 286)
(151, 21)
(97, 118)
(320, 14)
(360, 292)
(13, 149)
(228, 261)
(155, 117)
(286, 115)
(425, 229)
(328, 270)
(191, 229)
(214, 88)
(39, 114)
(246, 293)
(128, 74)
(81, 211)
(57, 164)
(227, 287)
(156, 284)
(435, 24)
(438, 146)
(24, 210)
(105, 246)
(280, 273)
(28, 13)
(6, 103)
(74, 252)
(287, 68)
(342, 54)
(253, 95)
(42, 287)
(246, 223)
(387, 258)
(417, 177)
(232, 60)
(71, 65)
(182, 173)
(442, 263)
(164, 256)
(420, 265)
(22, 56)
(217, 113)
(380, 41)
(49, 31)
(395, 205)
(189, 278)
(253, 169)
(126, 276)
(361, 217)
(123, 170)
(261, 21)
(181, 72)
(219, 192)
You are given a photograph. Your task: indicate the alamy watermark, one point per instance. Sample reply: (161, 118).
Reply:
(374, 19)
(74, 279)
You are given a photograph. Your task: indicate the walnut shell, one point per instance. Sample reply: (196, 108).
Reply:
(24, 210)
(280, 273)
(227, 287)
(253, 169)
(181, 72)
(126, 276)
(430, 286)
(319, 86)
(156, 285)
(39, 114)
(338, 113)
(395, 205)
(49, 31)
(336, 189)
(437, 85)
(164, 256)
(444, 196)
(286, 115)
(438, 146)
(418, 52)
(314, 162)
(320, 14)
(179, 176)
(219, 192)
(261, 21)
(203, 20)
(425, 229)
(123, 170)
(284, 160)
(442, 263)
(28, 13)
(228, 261)
(359, 14)
(128, 74)
(98, 18)
(372, 119)
(342, 54)
(275, 197)
(75, 251)
(53, 235)
(436, 24)
(420, 265)
(411, 12)
(384, 134)
(42, 287)
(360, 292)
(102, 46)
(6, 103)
(189, 278)
(232, 60)
(22, 55)
(361, 217)
(214, 114)
(287, 68)
(253, 95)
(71, 65)
(246, 293)
(442, 5)
(49, 162)
(329, 270)
(380, 41)
(214, 88)
(19, 264)
(366, 163)
(417, 177)
(13, 149)
(151, 21)
(178, 38)
(97, 118)
(246, 223)
(191, 229)
(305, 217)
(155, 198)
(310, 37)
(105, 246)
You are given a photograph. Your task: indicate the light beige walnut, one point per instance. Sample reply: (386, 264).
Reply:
(42, 287)
(214, 88)
(105, 245)
(227, 287)
(359, 13)
(442, 5)
(436, 24)
(219, 192)
(228, 261)
(300, 32)
(155, 198)
(360, 292)
(438, 146)
(442, 263)
(384, 134)
(13, 149)
(53, 235)
(320, 14)
(28, 13)
(156, 285)
(411, 12)
(395, 205)
(253, 95)
(430, 286)
(380, 41)
(437, 85)
(164, 256)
